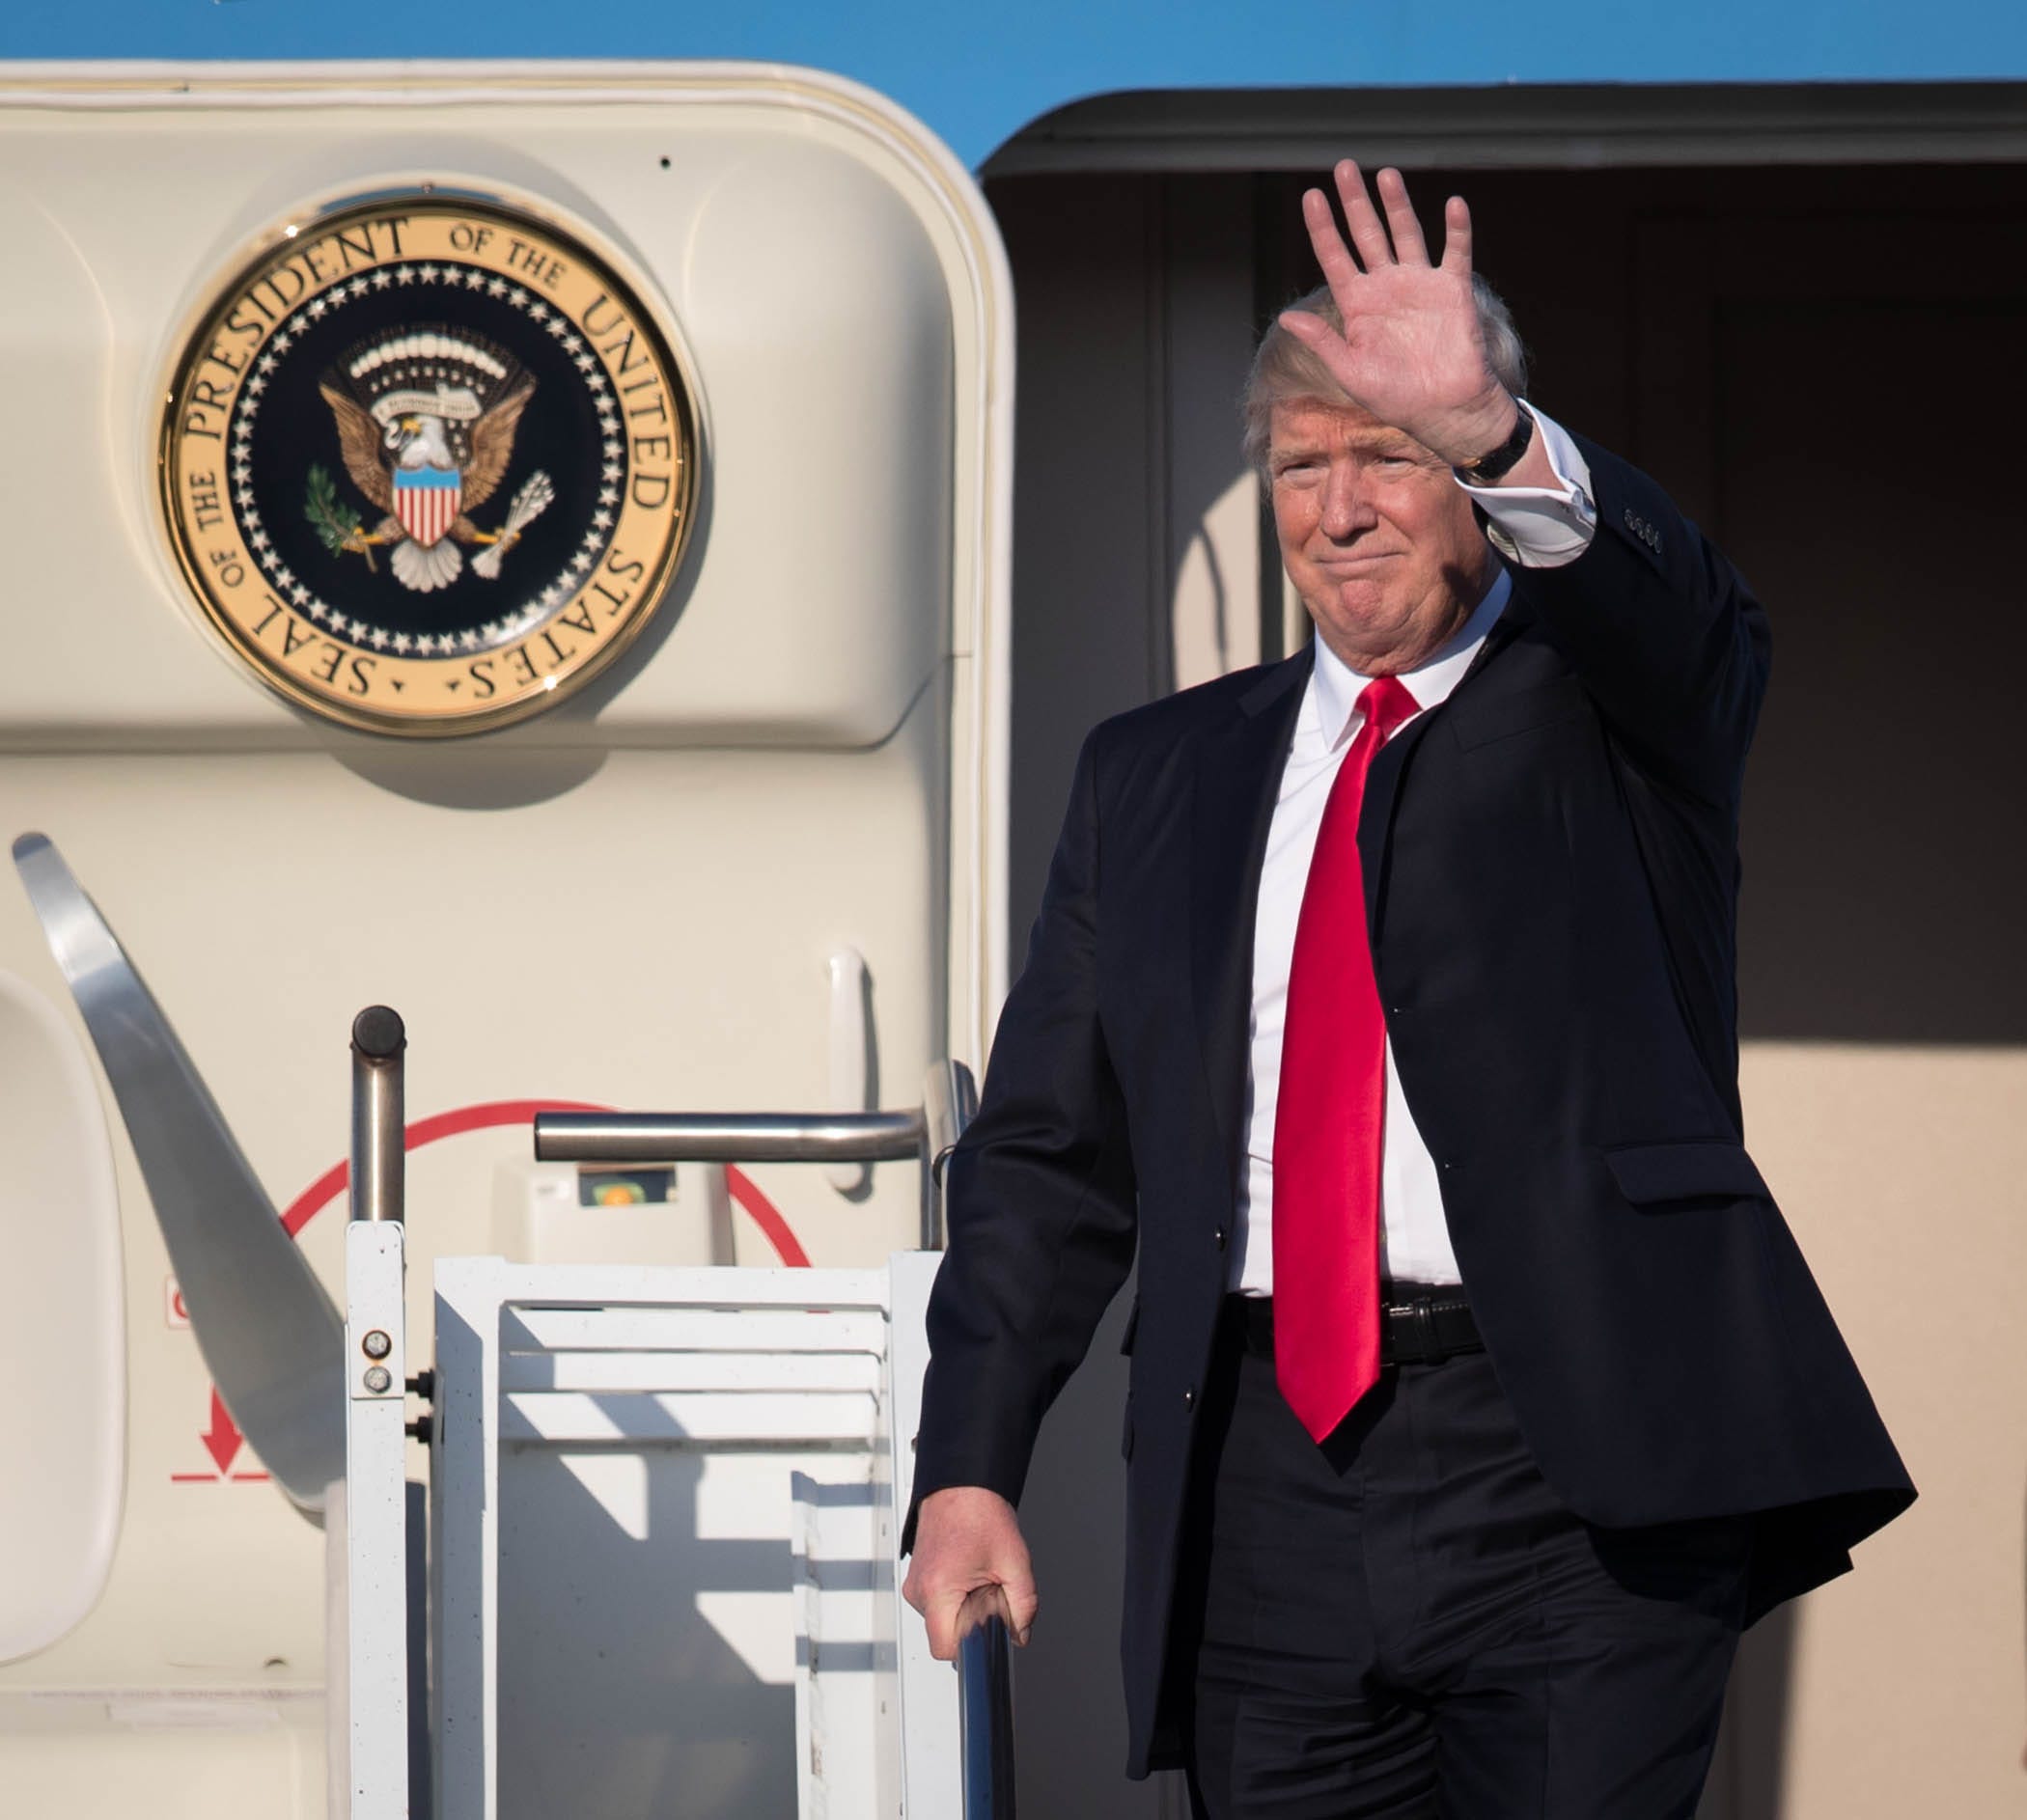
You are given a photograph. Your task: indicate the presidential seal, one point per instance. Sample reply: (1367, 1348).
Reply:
(427, 464)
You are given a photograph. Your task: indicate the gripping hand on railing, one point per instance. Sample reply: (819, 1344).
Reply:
(969, 1561)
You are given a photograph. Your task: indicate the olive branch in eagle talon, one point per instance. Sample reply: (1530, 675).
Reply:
(426, 422)
(336, 524)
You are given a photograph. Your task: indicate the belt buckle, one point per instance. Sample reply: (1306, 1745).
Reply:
(1420, 1320)
(1432, 1352)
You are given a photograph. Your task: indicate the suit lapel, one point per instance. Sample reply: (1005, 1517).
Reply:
(1376, 812)
(1383, 798)
(1239, 766)
(1519, 617)
(1237, 779)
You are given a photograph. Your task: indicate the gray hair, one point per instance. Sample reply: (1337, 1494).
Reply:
(1283, 368)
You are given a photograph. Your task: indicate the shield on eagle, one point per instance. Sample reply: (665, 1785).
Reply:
(425, 500)
(426, 416)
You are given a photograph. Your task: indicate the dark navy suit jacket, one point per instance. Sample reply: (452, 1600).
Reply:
(1551, 872)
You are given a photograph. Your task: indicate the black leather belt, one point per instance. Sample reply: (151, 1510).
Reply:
(1421, 1323)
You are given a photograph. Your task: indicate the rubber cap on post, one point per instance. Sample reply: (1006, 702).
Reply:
(377, 1032)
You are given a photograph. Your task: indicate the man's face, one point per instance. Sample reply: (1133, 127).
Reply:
(1376, 536)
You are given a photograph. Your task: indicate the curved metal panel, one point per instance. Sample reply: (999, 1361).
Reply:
(267, 1329)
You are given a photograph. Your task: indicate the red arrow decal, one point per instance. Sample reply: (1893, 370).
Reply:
(224, 1440)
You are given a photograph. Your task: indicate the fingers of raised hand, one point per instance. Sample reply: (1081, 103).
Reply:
(1457, 235)
(1368, 231)
(1321, 339)
(1311, 331)
(1339, 271)
(1396, 240)
(1410, 248)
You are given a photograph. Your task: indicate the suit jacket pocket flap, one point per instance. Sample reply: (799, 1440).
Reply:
(1478, 720)
(1711, 1169)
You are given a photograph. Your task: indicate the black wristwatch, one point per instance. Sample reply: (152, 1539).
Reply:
(1500, 461)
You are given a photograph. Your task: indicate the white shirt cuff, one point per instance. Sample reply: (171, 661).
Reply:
(1542, 527)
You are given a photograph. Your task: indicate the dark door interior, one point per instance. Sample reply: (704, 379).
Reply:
(1825, 367)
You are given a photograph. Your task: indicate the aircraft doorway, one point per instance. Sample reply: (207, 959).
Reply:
(1820, 361)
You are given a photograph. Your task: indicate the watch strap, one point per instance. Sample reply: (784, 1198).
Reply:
(1497, 463)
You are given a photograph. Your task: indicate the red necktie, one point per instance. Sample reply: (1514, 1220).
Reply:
(1331, 1115)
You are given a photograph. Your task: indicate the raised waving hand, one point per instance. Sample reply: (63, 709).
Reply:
(1411, 351)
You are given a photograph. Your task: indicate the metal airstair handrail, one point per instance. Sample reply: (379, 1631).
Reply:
(949, 1098)
(985, 1720)
(727, 1137)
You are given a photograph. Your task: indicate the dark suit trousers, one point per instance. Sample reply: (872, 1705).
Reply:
(1408, 1622)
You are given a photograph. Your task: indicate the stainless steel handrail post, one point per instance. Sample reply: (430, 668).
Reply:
(378, 1115)
(985, 1720)
(382, 1642)
(950, 1101)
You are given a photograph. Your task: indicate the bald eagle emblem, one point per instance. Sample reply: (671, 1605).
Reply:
(425, 419)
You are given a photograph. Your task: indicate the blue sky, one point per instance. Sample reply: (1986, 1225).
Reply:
(977, 74)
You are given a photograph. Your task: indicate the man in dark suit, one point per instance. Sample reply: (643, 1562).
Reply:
(1384, 997)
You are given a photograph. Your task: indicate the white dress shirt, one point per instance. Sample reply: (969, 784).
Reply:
(1537, 528)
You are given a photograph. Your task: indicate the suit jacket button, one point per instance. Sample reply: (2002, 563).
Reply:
(1631, 520)
(1220, 1237)
(1189, 1397)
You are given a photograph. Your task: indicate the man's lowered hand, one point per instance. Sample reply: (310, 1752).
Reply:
(969, 1561)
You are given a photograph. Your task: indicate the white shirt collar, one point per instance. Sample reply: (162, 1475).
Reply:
(1335, 687)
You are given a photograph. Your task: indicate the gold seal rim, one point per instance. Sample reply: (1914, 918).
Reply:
(630, 288)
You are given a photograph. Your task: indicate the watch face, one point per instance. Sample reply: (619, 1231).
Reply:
(427, 464)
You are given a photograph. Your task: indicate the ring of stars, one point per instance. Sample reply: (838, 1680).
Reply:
(539, 606)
